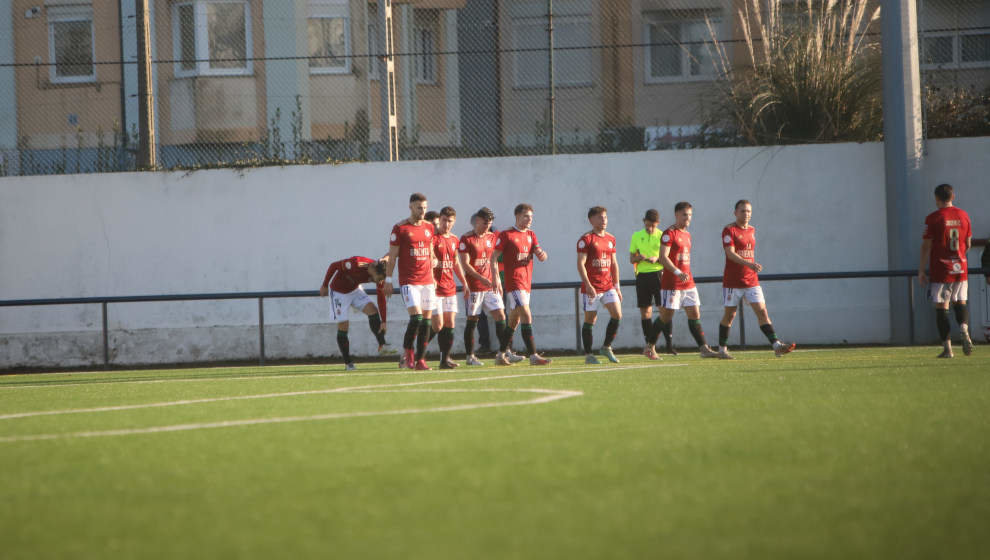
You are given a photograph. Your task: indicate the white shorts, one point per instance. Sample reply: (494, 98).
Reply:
(591, 303)
(489, 300)
(341, 304)
(943, 292)
(421, 296)
(445, 304)
(675, 299)
(732, 296)
(518, 298)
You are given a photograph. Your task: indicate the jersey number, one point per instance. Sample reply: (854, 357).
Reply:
(954, 240)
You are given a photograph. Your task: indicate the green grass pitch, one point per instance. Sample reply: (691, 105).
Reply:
(857, 453)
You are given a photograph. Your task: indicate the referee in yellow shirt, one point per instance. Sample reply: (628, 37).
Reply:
(644, 254)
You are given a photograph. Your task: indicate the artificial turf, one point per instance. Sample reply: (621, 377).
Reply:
(867, 453)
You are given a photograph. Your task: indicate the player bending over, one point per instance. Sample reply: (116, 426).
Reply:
(677, 287)
(517, 246)
(447, 266)
(599, 270)
(411, 246)
(342, 283)
(644, 255)
(740, 280)
(947, 237)
(475, 254)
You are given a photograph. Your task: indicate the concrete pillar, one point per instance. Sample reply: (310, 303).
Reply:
(451, 77)
(903, 156)
(286, 35)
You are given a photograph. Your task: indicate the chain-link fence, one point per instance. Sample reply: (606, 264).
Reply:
(955, 67)
(256, 82)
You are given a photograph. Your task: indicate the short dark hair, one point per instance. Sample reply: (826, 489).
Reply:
(430, 216)
(522, 207)
(682, 205)
(416, 197)
(448, 211)
(596, 210)
(742, 201)
(485, 213)
(379, 267)
(652, 215)
(943, 192)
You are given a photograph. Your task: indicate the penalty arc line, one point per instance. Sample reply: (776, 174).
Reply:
(552, 396)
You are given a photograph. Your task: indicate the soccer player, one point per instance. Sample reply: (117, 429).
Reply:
(947, 237)
(740, 280)
(644, 255)
(448, 265)
(411, 246)
(599, 270)
(518, 245)
(342, 283)
(475, 253)
(677, 287)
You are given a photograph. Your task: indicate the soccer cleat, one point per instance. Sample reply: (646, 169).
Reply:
(502, 360)
(452, 363)
(350, 366)
(447, 364)
(723, 353)
(671, 350)
(590, 359)
(386, 350)
(408, 360)
(421, 365)
(538, 360)
(513, 357)
(608, 353)
(946, 353)
(967, 344)
(707, 352)
(473, 361)
(650, 353)
(781, 348)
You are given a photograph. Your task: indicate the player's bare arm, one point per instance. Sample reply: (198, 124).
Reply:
(582, 258)
(669, 265)
(469, 270)
(615, 275)
(496, 280)
(926, 249)
(541, 255)
(732, 255)
(459, 272)
(393, 252)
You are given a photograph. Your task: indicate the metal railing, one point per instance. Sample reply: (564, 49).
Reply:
(908, 275)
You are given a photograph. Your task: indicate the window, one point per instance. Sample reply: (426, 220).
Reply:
(329, 35)
(679, 49)
(956, 49)
(572, 67)
(425, 31)
(211, 37)
(70, 44)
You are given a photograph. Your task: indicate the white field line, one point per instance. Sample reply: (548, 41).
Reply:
(358, 389)
(549, 396)
(101, 382)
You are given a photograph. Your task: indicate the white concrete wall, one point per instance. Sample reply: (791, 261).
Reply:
(817, 208)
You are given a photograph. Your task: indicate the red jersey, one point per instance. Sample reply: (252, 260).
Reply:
(446, 252)
(949, 229)
(345, 276)
(415, 245)
(517, 255)
(743, 241)
(600, 250)
(679, 241)
(478, 249)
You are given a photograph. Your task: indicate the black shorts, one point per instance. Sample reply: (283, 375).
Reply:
(647, 289)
